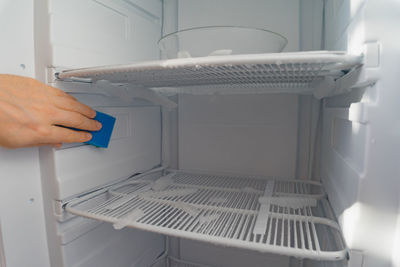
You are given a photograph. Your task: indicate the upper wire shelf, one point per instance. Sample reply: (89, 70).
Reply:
(295, 72)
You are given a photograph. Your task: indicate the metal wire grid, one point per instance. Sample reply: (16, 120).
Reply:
(218, 210)
(265, 74)
(289, 70)
(282, 187)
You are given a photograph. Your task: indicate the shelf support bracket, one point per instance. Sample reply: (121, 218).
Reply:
(354, 79)
(260, 226)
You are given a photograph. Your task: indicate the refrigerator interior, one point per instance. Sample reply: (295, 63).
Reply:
(266, 134)
(344, 141)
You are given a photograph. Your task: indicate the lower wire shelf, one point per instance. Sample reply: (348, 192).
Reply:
(288, 217)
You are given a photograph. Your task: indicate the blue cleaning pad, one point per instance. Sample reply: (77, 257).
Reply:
(102, 137)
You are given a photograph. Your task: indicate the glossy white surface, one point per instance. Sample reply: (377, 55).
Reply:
(134, 147)
(360, 145)
(23, 221)
(20, 182)
(248, 134)
(87, 33)
(281, 16)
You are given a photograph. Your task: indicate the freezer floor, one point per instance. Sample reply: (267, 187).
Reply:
(288, 217)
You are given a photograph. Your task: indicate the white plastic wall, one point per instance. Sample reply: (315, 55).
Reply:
(280, 16)
(134, 147)
(344, 25)
(242, 134)
(87, 33)
(311, 24)
(360, 146)
(212, 255)
(396, 244)
(2, 253)
(104, 247)
(22, 227)
(21, 211)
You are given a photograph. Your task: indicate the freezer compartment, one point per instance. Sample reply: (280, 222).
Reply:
(288, 217)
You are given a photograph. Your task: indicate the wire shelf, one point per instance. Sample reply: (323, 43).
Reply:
(287, 217)
(278, 72)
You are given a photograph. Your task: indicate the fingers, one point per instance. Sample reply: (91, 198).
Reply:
(75, 120)
(31, 111)
(59, 135)
(58, 145)
(57, 92)
(73, 105)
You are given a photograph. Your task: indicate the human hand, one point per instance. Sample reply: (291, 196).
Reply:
(32, 113)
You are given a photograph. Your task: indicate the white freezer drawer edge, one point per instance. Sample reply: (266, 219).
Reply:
(135, 147)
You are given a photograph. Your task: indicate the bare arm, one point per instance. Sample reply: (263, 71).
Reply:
(30, 112)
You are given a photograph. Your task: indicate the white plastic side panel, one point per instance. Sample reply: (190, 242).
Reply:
(281, 16)
(134, 147)
(343, 150)
(105, 247)
(345, 25)
(2, 254)
(23, 232)
(396, 245)
(16, 28)
(349, 142)
(247, 134)
(21, 211)
(98, 32)
(360, 166)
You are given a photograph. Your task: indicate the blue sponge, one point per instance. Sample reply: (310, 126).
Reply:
(102, 137)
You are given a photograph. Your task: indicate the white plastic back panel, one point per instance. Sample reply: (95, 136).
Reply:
(151, 8)
(252, 134)
(100, 32)
(228, 257)
(134, 147)
(281, 16)
(311, 24)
